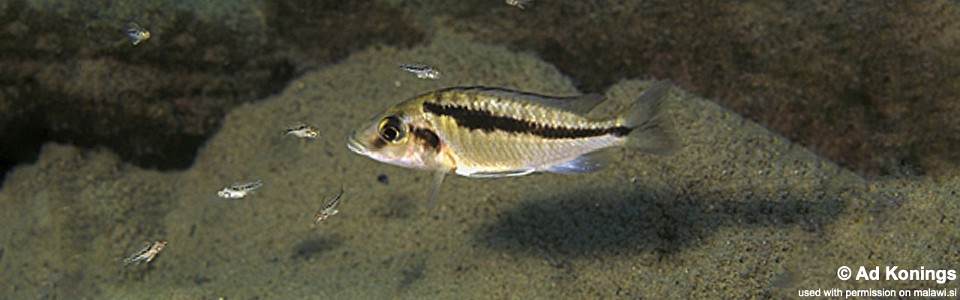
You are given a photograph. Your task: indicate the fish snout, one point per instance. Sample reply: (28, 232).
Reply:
(353, 144)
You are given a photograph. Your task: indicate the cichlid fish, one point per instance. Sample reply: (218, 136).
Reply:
(422, 71)
(328, 209)
(240, 190)
(492, 132)
(521, 4)
(302, 130)
(136, 33)
(146, 254)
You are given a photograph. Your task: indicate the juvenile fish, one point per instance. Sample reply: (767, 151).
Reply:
(147, 254)
(328, 209)
(422, 71)
(239, 191)
(302, 130)
(492, 132)
(136, 33)
(521, 4)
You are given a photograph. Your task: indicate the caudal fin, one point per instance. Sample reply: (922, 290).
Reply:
(651, 126)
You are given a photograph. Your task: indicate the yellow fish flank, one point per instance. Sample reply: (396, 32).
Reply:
(491, 132)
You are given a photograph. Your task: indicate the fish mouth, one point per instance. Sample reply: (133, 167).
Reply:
(353, 144)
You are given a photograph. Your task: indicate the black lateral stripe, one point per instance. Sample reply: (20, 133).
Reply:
(488, 122)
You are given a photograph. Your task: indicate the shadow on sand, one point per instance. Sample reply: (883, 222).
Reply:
(600, 222)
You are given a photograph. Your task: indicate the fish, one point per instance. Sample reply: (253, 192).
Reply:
(136, 33)
(302, 130)
(483, 132)
(146, 254)
(328, 209)
(521, 4)
(240, 190)
(422, 71)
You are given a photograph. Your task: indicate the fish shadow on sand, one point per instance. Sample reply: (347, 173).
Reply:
(309, 248)
(599, 222)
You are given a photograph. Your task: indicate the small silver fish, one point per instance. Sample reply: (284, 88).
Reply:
(239, 191)
(492, 132)
(328, 209)
(137, 33)
(422, 71)
(302, 130)
(147, 254)
(521, 4)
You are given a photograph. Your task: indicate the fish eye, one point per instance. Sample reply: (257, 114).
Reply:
(391, 130)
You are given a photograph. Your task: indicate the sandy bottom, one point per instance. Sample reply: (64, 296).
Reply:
(737, 212)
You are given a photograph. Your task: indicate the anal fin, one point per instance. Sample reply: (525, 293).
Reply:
(587, 163)
(496, 174)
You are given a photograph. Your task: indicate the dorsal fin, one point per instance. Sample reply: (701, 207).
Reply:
(581, 104)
